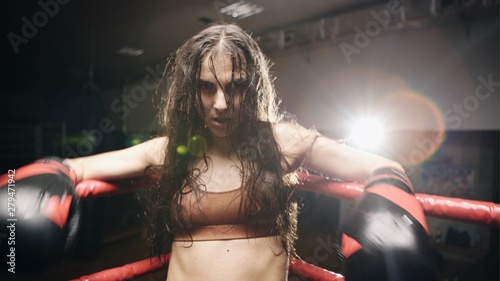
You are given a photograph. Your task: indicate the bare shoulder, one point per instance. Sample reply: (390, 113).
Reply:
(291, 133)
(294, 141)
(153, 150)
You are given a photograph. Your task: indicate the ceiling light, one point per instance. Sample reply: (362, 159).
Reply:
(133, 52)
(241, 9)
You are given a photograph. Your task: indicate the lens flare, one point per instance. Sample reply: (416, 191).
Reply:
(418, 126)
(182, 150)
(197, 145)
(367, 134)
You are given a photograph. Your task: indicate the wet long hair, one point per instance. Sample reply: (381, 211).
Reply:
(264, 171)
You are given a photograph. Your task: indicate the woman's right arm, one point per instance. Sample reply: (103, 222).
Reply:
(124, 163)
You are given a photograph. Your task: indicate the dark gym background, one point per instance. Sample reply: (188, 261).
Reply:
(79, 78)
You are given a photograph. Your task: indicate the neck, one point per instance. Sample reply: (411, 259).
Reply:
(218, 145)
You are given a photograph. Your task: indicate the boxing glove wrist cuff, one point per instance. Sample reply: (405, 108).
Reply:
(61, 165)
(392, 176)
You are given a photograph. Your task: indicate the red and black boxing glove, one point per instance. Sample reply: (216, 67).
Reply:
(40, 214)
(385, 234)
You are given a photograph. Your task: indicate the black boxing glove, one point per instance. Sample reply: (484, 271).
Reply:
(385, 234)
(40, 215)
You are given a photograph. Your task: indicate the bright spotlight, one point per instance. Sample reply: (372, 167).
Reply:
(367, 134)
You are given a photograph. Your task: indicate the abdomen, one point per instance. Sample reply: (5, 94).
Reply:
(238, 259)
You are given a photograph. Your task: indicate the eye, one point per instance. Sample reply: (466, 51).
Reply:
(239, 85)
(206, 86)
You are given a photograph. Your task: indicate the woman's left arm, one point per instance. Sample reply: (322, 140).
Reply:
(349, 164)
(388, 209)
(311, 150)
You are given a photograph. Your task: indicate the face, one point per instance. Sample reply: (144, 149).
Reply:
(217, 83)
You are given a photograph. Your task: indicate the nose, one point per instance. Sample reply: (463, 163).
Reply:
(220, 103)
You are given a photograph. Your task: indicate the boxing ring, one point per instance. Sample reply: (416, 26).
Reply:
(472, 211)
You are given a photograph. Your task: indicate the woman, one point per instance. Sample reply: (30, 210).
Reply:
(225, 210)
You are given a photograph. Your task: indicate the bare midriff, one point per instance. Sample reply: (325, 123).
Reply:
(261, 258)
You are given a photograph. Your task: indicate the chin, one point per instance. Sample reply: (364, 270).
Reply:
(218, 134)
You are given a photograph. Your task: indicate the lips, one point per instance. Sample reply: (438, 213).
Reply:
(220, 121)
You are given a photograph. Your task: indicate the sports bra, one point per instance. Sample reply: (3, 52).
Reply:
(218, 216)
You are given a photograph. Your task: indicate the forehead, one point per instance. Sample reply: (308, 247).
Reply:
(220, 67)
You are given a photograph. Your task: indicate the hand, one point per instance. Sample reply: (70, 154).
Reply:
(41, 214)
(385, 234)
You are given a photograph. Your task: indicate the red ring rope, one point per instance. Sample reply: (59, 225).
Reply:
(473, 211)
